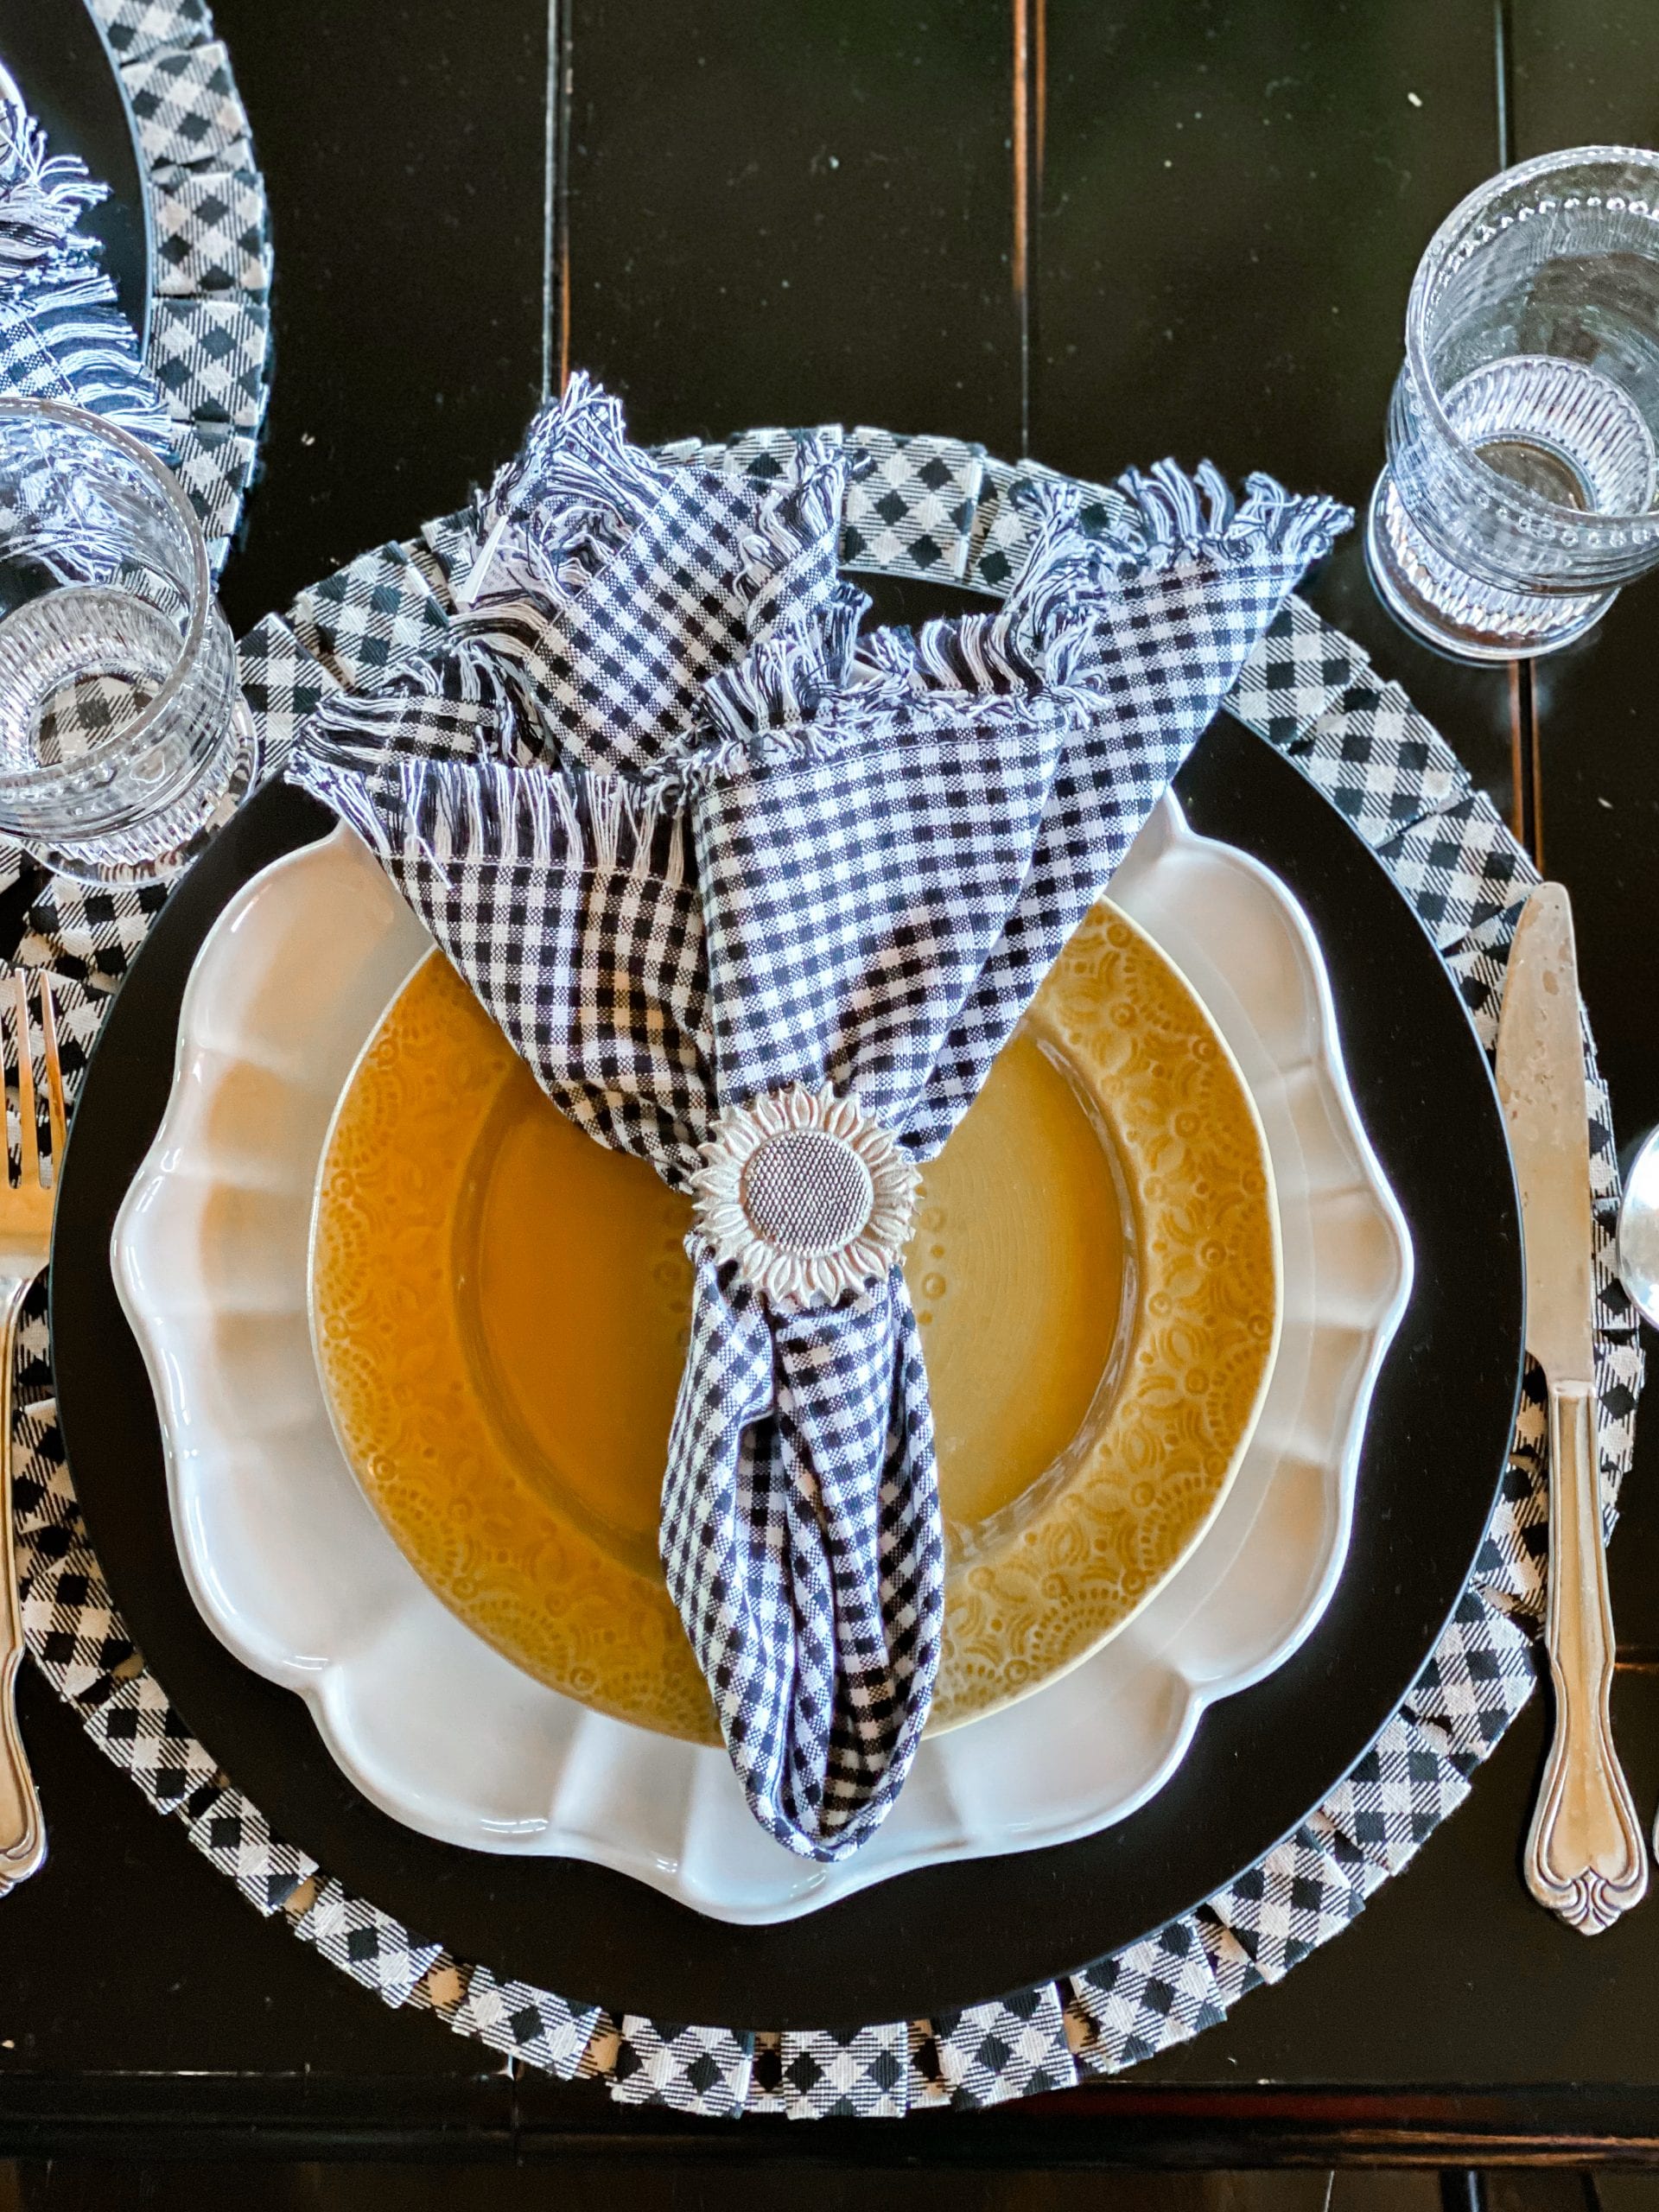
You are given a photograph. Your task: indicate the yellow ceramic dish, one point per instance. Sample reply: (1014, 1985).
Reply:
(501, 1304)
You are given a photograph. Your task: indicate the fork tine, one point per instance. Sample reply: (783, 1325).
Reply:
(28, 1143)
(53, 1077)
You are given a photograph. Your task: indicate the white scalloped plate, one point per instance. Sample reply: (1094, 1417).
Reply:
(293, 1571)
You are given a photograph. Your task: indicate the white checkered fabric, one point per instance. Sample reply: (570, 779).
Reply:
(1158, 1992)
(211, 234)
(854, 867)
(703, 2070)
(138, 28)
(1300, 1896)
(87, 932)
(451, 543)
(365, 1943)
(1379, 762)
(821, 2075)
(1234, 1969)
(209, 356)
(184, 101)
(1390, 1804)
(910, 509)
(236, 1837)
(213, 463)
(518, 2020)
(1459, 868)
(1479, 1677)
(987, 2054)
(615, 586)
(376, 611)
(283, 685)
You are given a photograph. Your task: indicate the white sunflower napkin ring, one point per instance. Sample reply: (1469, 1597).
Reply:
(806, 1194)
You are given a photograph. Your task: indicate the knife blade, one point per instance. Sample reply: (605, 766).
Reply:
(1542, 1084)
(1586, 1857)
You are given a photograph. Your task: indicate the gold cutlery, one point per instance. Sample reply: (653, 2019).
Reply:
(1586, 1856)
(25, 1241)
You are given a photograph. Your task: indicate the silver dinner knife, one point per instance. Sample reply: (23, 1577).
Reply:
(1587, 1857)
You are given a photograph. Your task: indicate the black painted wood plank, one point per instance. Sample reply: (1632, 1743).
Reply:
(795, 214)
(1587, 71)
(1233, 201)
(404, 147)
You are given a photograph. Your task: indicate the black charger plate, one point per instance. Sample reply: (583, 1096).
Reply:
(1439, 1432)
(65, 72)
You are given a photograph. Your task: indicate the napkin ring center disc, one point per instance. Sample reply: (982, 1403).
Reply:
(808, 1195)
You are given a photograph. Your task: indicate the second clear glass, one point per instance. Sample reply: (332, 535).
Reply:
(124, 737)
(1522, 477)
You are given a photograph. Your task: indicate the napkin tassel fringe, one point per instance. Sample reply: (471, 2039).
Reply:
(795, 535)
(563, 506)
(815, 686)
(1163, 517)
(78, 323)
(458, 706)
(41, 199)
(495, 814)
(1157, 520)
(980, 653)
(780, 683)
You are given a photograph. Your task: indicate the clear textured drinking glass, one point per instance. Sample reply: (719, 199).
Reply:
(124, 737)
(1521, 483)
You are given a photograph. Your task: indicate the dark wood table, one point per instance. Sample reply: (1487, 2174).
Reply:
(1096, 235)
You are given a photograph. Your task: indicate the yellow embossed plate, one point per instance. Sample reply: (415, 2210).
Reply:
(501, 1304)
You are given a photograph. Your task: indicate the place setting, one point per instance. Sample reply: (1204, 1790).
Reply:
(816, 1363)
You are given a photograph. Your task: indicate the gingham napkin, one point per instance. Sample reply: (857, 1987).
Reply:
(62, 334)
(760, 899)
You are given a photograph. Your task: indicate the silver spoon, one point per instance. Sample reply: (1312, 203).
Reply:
(1638, 1230)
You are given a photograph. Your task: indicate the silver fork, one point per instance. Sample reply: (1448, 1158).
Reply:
(25, 1241)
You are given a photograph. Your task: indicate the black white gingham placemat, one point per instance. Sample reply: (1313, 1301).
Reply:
(931, 508)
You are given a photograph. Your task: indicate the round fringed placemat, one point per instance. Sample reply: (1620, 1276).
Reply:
(933, 509)
(209, 321)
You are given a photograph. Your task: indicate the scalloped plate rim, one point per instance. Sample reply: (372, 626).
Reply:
(321, 1681)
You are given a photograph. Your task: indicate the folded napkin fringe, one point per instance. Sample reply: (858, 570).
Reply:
(779, 684)
(1162, 517)
(579, 489)
(799, 517)
(1159, 521)
(63, 337)
(41, 199)
(569, 497)
(813, 690)
(457, 815)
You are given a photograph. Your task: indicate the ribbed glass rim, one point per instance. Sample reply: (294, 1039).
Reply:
(138, 733)
(1435, 255)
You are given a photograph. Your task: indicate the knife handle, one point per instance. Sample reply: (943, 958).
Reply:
(1587, 1857)
(22, 1825)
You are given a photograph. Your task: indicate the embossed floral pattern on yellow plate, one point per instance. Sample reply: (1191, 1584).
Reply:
(499, 1306)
